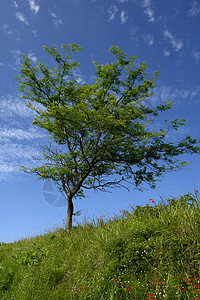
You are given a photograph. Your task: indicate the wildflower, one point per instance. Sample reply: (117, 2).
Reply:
(82, 288)
(196, 192)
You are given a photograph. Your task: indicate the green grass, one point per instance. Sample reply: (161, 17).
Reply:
(152, 252)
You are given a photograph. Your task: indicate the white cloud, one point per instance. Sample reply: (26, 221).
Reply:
(146, 4)
(56, 19)
(21, 18)
(79, 76)
(7, 29)
(20, 134)
(195, 9)
(176, 44)
(12, 156)
(166, 52)
(32, 57)
(34, 32)
(123, 17)
(149, 39)
(122, 1)
(7, 170)
(196, 56)
(15, 4)
(34, 6)
(133, 33)
(19, 140)
(164, 93)
(17, 58)
(1, 64)
(11, 107)
(11, 31)
(112, 11)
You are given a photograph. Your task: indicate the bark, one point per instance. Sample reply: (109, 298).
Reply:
(70, 210)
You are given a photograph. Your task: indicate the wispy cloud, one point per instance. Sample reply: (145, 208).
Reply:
(6, 28)
(34, 6)
(122, 1)
(19, 140)
(164, 93)
(32, 57)
(194, 9)
(166, 52)
(8, 169)
(15, 4)
(20, 134)
(146, 4)
(175, 43)
(123, 17)
(12, 156)
(133, 33)
(149, 39)
(17, 58)
(79, 76)
(34, 32)
(12, 107)
(21, 18)
(196, 56)
(11, 31)
(56, 19)
(112, 11)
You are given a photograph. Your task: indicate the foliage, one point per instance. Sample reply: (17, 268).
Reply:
(102, 132)
(31, 257)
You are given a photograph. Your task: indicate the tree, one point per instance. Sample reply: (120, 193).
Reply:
(101, 132)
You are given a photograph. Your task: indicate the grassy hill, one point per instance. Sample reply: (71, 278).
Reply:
(152, 252)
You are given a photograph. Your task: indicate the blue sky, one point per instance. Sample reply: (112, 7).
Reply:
(163, 33)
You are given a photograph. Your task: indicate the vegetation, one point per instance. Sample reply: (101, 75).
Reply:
(102, 133)
(151, 252)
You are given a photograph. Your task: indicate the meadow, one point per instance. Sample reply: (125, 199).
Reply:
(150, 252)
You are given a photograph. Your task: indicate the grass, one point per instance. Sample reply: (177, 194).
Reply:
(152, 252)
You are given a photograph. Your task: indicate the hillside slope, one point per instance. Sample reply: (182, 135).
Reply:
(152, 252)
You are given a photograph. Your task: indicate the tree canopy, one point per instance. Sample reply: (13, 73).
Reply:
(101, 131)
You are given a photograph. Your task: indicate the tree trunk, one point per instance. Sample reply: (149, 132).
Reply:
(70, 210)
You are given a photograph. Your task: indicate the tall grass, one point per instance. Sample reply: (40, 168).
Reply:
(151, 252)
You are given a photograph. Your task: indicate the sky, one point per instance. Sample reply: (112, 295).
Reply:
(165, 34)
